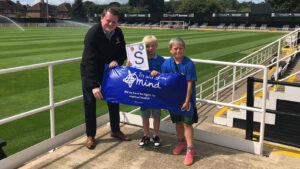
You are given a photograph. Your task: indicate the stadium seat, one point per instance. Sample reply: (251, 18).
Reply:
(231, 26)
(195, 25)
(204, 25)
(252, 26)
(241, 26)
(285, 27)
(263, 27)
(221, 26)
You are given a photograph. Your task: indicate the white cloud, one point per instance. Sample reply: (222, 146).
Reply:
(54, 2)
(57, 2)
(255, 1)
(108, 1)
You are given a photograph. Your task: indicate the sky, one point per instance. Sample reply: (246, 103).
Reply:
(57, 2)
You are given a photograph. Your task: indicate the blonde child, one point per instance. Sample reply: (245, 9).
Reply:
(184, 129)
(155, 61)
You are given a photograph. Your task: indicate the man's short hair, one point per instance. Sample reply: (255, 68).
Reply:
(149, 39)
(112, 11)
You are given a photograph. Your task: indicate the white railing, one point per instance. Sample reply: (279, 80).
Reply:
(62, 24)
(228, 75)
(256, 149)
(19, 158)
(253, 73)
(263, 108)
(52, 104)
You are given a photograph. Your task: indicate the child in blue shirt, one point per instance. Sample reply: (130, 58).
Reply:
(182, 64)
(155, 61)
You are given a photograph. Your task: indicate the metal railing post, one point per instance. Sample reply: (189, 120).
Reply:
(214, 87)
(263, 114)
(51, 100)
(277, 63)
(233, 82)
(218, 86)
(200, 92)
(250, 103)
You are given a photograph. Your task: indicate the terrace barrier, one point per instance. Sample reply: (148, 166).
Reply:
(230, 76)
(23, 156)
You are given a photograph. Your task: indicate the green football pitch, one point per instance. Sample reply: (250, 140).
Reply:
(27, 90)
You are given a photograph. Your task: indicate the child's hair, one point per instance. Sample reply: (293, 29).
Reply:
(176, 40)
(149, 39)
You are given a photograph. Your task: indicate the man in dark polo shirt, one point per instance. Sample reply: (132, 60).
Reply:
(104, 44)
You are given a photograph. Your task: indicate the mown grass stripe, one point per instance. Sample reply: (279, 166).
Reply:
(214, 53)
(35, 59)
(38, 51)
(41, 45)
(24, 90)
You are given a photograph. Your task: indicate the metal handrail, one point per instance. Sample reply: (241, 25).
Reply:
(262, 110)
(256, 91)
(253, 73)
(258, 56)
(52, 104)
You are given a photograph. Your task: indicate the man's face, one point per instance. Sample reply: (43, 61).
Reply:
(177, 50)
(109, 22)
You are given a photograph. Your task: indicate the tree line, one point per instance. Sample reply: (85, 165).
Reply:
(81, 10)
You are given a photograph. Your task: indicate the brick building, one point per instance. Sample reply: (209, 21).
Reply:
(10, 9)
(39, 10)
(63, 11)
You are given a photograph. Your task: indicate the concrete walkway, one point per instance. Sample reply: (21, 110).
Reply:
(111, 153)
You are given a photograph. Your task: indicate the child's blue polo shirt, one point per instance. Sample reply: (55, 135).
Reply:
(186, 67)
(155, 63)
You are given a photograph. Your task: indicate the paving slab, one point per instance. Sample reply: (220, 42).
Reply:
(111, 153)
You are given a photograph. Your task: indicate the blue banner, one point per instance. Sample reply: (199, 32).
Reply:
(127, 85)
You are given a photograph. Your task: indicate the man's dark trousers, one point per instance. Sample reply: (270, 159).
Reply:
(90, 112)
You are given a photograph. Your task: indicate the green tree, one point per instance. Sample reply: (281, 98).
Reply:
(229, 5)
(90, 8)
(132, 2)
(245, 6)
(114, 4)
(172, 6)
(284, 5)
(212, 6)
(78, 12)
(199, 6)
(156, 6)
(152, 6)
(125, 8)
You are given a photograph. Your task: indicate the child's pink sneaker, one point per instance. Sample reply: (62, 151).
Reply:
(189, 157)
(178, 149)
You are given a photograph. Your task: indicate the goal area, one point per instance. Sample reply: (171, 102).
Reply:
(173, 24)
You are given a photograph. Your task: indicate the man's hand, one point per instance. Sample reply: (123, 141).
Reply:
(113, 64)
(97, 94)
(154, 73)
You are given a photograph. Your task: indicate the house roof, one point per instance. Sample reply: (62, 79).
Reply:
(65, 7)
(41, 6)
(8, 4)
